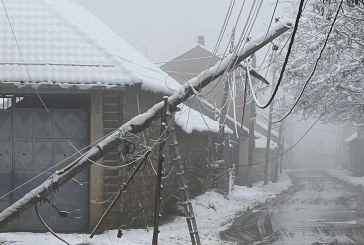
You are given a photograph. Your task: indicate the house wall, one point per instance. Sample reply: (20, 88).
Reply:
(356, 157)
(136, 206)
(96, 173)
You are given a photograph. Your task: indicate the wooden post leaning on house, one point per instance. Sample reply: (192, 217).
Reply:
(139, 123)
(118, 195)
(161, 158)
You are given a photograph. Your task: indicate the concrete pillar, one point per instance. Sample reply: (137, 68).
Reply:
(96, 173)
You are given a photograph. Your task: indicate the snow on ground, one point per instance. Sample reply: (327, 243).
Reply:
(346, 176)
(213, 213)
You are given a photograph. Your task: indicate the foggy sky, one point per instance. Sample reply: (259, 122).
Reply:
(163, 29)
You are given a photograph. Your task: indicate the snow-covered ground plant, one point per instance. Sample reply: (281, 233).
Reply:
(340, 71)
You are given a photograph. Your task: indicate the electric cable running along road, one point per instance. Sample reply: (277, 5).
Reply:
(309, 78)
(279, 155)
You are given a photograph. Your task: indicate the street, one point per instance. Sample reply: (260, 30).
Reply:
(317, 209)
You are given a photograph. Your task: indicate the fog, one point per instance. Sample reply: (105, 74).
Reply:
(321, 148)
(163, 29)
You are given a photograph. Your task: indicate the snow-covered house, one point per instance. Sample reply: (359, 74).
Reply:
(66, 80)
(354, 152)
(196, 60)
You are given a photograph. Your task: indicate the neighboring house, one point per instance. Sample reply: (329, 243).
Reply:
(354, 153)
(196, 60)
(67, 80)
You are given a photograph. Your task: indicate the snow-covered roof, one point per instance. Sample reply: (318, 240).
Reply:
(261, 142)
(64, 44)
(191, 120)
(351, 137)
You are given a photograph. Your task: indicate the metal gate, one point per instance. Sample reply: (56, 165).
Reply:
(31, 142)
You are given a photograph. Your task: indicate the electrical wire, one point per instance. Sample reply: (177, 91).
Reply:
(47, 227)
(226, 49)
(313, 70)
(299, 13)
(21, 54)
(222, 31)
(291, 147)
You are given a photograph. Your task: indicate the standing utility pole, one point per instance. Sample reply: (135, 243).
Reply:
(251, 147)
(281, 133)
(161, 157)
(223, 112)
(267, 148)
(276, 166)
(282, 150)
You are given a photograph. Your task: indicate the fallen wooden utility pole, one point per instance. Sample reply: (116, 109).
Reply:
(140, 122)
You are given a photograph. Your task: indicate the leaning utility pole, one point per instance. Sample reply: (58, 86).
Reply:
(269, 132)
(251, 146)
(139, 123)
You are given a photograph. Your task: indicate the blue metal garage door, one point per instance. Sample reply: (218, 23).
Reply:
(31, 142)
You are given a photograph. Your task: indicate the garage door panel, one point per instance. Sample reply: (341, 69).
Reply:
(48, 214)
(25, 221)
(78, 222)
(5, 185)
(3, 206)
(74, 191)
(43, 155)
(69, 124)
(23, 155)
(19, 178)
(5, 156)
(41, 142)
(23, 123)
(65, 151)
(5, 124)
(42, 124)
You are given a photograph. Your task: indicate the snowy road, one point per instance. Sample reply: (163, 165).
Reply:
(318, 209)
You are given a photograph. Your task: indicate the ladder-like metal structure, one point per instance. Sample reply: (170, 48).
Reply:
(175, 158)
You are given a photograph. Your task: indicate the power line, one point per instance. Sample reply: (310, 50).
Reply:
(21, 54)
(295, 144)
(236, 23)
(313, 71)
(299, 13)
(222, 32)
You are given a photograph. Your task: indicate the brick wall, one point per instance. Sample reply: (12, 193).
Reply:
(135, 209)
